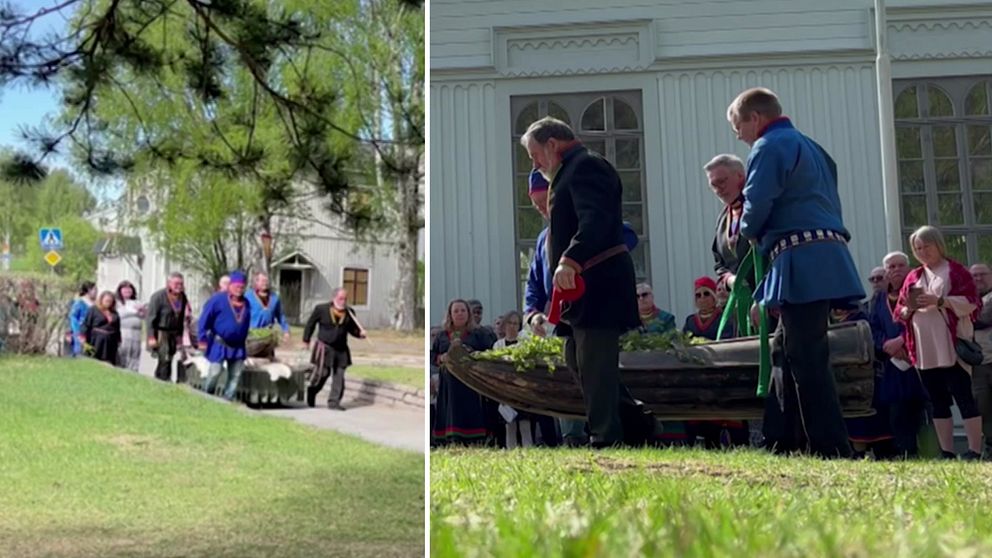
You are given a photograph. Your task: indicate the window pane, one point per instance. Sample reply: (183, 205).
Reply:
(957, 247)
(526, 117)
(981, 174)
(556, 111)
(908, 145)
(944, 142)
(639, 255)
(362, 276)
(948, 179)
(914, 210)
(599, 146)
(949, 211)
(983, 208)
(906, 106)
(521, 185)
(631, 185)
(911, 176)
(529, 223)
(349, 275)
(524, 164)
(985, 248)
(977, 102)
(634, 214)
(940, 103)
(525, 252)
(628, 153)
(624, 117)
(978, 140)
(594, 116)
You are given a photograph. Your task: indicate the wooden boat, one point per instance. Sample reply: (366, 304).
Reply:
(263, 381)
(719, 383)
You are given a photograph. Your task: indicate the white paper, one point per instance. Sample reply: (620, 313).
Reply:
(508, 413)
(901, 364)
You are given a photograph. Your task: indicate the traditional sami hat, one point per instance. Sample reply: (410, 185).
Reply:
(559, 296)
(705, 283)
(238, 278)
(537, 183)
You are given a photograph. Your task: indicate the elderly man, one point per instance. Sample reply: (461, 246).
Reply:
(222, 283)
(537, 295)
(222, 333)
(586, 240)
(167, 315)
(792, 213)
(266, 308)
(653, 319)
(725, 174)
(475, 306)
(334, 322)
(877, 280)
(981, 377)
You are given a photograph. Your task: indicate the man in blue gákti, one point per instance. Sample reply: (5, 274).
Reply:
(223, 330)
(266, 308)
(792, 213)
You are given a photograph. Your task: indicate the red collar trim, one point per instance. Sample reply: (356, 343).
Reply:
(762, 131)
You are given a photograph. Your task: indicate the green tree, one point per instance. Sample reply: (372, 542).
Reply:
(273, 94)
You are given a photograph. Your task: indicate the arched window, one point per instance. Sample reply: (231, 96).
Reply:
(943, 131)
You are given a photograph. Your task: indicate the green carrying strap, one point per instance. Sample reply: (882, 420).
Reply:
(739, 306)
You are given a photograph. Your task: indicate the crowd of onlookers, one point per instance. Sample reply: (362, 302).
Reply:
(918, 317)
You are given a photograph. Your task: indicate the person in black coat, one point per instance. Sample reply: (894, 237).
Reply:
(586, 238)
(102, 328)
(331, 355)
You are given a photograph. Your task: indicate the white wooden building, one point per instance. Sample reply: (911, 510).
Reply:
(647, 84)
(325, 258)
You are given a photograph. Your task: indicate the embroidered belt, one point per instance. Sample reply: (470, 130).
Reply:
(805, 237)
(604, 255)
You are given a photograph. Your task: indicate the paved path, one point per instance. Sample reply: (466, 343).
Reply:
(393, 426)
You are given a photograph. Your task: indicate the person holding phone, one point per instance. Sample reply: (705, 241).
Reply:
(938, 304)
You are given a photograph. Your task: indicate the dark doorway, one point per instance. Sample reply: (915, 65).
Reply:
(290, 291)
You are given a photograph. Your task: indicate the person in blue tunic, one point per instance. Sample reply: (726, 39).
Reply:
(792, 213)
(222, 332)
(266, 309)
(77, 315)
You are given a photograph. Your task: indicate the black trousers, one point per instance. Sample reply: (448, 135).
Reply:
(167, 343)
(944, 383)
(614, 416)
(336, 375)
(810, 418)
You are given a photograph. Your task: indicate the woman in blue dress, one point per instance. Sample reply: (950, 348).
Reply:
(77, 314)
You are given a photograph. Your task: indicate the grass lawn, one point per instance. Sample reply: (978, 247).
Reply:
(96, 462)
(690, 503)
(413, 377)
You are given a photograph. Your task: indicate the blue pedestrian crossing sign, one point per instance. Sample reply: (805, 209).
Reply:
(51, 239)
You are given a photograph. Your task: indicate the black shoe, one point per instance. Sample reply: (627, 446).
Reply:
(948, 455)
(971, 456)
(311, 397)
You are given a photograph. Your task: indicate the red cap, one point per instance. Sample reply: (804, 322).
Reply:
(559, 296)
(705, 282)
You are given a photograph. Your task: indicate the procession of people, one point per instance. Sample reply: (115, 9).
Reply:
(931, 326)
(115, 327)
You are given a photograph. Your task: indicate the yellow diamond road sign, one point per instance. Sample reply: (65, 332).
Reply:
(53, 258)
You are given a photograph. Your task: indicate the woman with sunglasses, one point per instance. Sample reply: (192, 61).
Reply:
(653, 319)
(706, 321)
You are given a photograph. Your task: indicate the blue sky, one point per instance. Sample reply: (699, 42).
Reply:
(22, 106)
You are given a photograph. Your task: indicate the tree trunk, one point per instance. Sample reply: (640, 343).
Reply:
(407, 252)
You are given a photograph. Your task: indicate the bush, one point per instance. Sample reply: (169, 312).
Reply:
(34, 312)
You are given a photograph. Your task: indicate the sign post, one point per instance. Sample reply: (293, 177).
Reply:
(51, 244)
